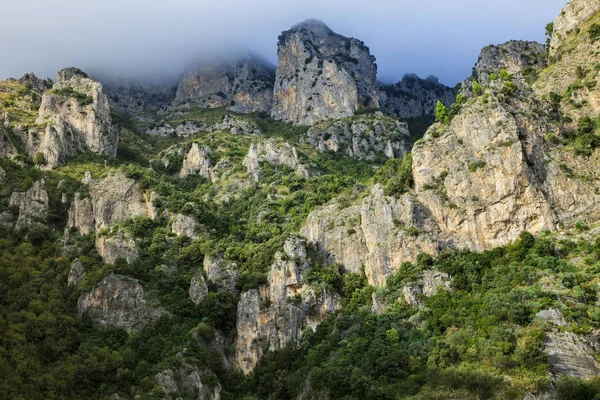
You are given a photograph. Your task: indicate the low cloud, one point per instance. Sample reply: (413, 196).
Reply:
(156, 40)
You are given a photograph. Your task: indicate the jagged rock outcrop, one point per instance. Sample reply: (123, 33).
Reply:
(185, 225)
(570, 18)
(571, 355)
(515, 56)
(198, 289)
(220, 272)
(274, 154)
(32, 82)
(271, 317)
(119, 245)
(364, 137)
(322, 75)
(133, 97)
(76, 274)
(244, 85)
(77, 118)
(491, 174)
(573, 56)
(196, 161)
(229, 123)
(33, 206)
(7, 149)
(414, 97)
(552, 316)
(112, 199)
(119, 302)
(380, 234)
(186, 383)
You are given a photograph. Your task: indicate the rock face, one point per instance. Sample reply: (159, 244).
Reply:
(571, 355)
(221, 273)
(274, 154)
(113, 199)
(322, 75)
(184, 225)
(132, 97)
(7, 150)
(573, 58)
(553, 316)
(198, 289)
(491, 175)
(186, 381)
(76, 274)
(196, 161)
(35, 84)
(33, 206)
(515, 56)
(375, 234)
(272, 316)
(364, 137)
(118, 302)
(572, 15)
(117, 246)
(76, 116)
(414, 97)
(245, 85)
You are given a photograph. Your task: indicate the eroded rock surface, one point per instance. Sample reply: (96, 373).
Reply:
(244, 85)
(272, 316)
(118, 302)
(33, 206)
(364, 137)
(274, 154)
(322, 75)
(114, 246)
(77, 118)
(76, 274)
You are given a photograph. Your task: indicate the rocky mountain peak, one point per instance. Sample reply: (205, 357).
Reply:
(515, 56)
(571, 16)
(67, 73)
(29, 80)
(322, 75)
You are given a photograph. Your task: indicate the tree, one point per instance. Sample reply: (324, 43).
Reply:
(441, 112)
(39, 159)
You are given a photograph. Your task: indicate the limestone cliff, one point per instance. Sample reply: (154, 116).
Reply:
(112, 199)
(118, 302)
(133, 97)
(272, 316)
(573, 56)
(32, 205)
(74, 117)
(244, 85)
(322, 75)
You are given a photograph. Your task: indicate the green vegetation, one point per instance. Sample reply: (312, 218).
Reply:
(396, 176)
(68, 91)
(594, 32)
(479, 340)
(441, 112)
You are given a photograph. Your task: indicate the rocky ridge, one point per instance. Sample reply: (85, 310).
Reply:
(74, 117)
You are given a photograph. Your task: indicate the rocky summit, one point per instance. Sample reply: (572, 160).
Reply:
(307, 232)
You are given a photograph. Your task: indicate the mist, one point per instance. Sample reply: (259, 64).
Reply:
(156, 41)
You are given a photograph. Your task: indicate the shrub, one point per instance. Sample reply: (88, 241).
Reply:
(477, 88)
(68, 91)
(441, 112)
(595, 32)
(39, 159)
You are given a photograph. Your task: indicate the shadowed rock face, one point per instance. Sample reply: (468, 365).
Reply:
(33, 206)
(414, 97)
(118, 302)
(77, 118)
(322, 75)
(244, 85)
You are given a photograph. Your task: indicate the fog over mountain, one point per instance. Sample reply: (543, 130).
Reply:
(157, 40)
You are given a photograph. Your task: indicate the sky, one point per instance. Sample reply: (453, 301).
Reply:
(155, 40)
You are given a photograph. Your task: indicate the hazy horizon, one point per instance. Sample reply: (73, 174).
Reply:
(156, 41)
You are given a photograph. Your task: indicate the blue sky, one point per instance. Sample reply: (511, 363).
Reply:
(156, 40)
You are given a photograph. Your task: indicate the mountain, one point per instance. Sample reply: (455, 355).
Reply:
(252, 235)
